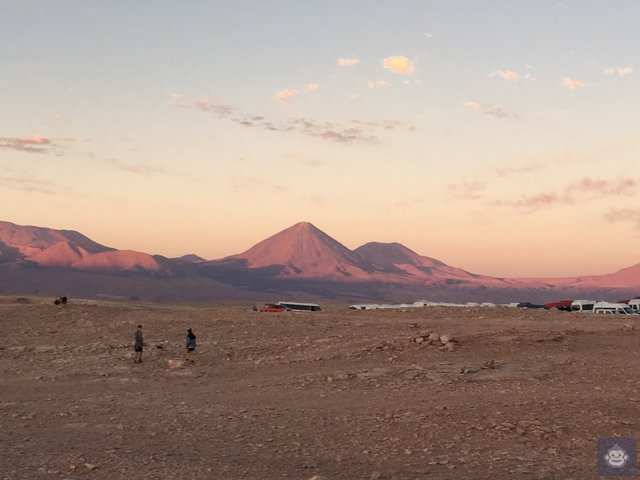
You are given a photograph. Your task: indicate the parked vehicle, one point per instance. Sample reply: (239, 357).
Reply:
(634, 304)
(612, 308)
(564, 305)
(272, 308)
(529, 305)
(308, 307)
(582, 305)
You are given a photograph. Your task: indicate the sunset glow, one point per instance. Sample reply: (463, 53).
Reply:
(499, 137)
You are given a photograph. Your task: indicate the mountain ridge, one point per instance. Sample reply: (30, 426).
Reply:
(301, 258)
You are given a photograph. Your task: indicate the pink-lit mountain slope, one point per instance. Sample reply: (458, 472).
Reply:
(625, 278)
(47, 247)
(29, 240)
(305, 251)
(395, 258)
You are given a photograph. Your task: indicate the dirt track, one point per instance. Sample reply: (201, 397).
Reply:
(336, 394)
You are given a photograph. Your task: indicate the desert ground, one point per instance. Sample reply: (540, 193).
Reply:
(336, 394)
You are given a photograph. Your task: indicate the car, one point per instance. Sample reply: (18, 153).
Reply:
(273, 308)
(529, 305)
(564, 305)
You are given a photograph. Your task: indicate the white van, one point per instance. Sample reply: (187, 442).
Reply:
(634, 304)
(582, 305)
(612, 308)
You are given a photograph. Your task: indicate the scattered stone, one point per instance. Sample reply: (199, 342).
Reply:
(375, 476)
(446, 338)
(175, 363)
(449, 346)
(419, 340)
(90, 466)
(434, 337)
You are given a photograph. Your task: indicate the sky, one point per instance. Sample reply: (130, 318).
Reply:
(496, 136)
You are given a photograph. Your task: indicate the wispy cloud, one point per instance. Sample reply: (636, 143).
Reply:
(626, 215)
(507, 170)
(31, 144)
(137, 168)
(348, 62)
(378, 84)
(575, 84)
(581, 190)
(532, 202)
(467, 190)
(506, 75)
(213, 104)
(398, 64)
(511, 76)
(253, 184)
(490, 109)
(620, 71)
(604, 188)
(286, 94)
(177, 99)
(364, 131)
(25, 184)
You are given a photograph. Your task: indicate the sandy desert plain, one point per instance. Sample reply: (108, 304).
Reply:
(328, 395)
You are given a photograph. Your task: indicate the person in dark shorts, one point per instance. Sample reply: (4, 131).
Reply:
(191, 344)
(137, 345)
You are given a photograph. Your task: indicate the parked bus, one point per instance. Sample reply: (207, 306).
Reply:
(307, 307)
(582, 305)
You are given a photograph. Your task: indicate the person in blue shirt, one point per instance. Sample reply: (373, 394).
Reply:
(191, 344)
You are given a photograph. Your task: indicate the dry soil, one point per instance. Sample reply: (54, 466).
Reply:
(336, 394)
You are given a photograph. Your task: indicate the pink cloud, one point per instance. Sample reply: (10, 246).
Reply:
(286, 94)
(620, 71)
(348, 62)
(583, 189)
(601, 187)
(489, 109)
(575, 84)
(30, 144)
(506, 75)
(378, 84)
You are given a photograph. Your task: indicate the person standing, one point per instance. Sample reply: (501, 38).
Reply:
(138, 343)
(191, 344)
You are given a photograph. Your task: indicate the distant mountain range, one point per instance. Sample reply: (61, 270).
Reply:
(299, 262)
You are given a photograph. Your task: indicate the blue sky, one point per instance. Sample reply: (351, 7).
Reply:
(496, 136)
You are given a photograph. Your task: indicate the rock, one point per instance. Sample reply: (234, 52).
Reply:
(175, 363)
(449, 346)
(418, 340)
(446, 338)
(434, 337)
(375, 476)
(90, 466)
